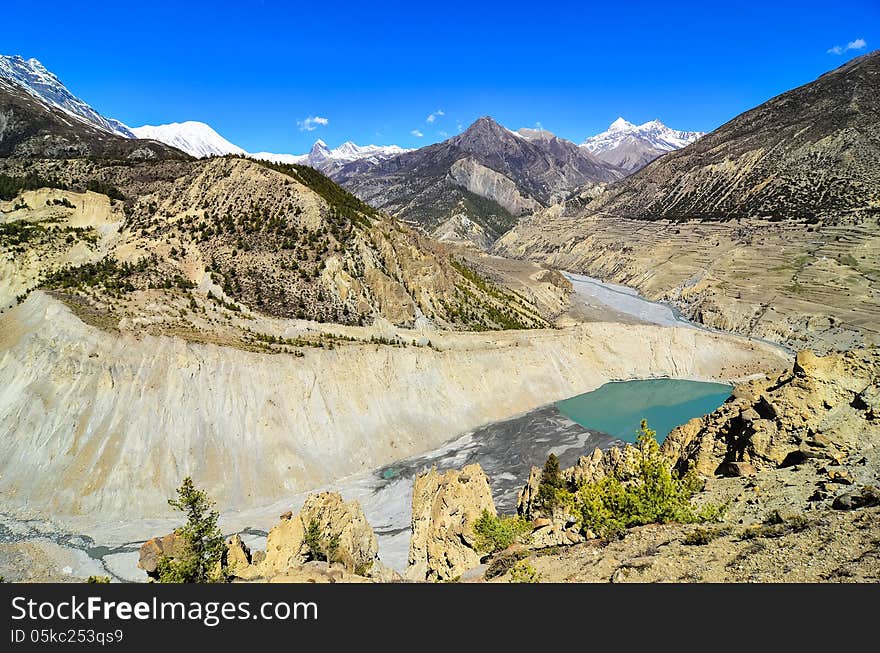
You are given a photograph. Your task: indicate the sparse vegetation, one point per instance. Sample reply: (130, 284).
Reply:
(343, 203)
(98, 186)
(653, 493)
(320, 548)
(14, 235)
(508, 311)
(93, 580)
(776, 525)
(10, 186)
(496, 533)
(523, 572)
(701, 535)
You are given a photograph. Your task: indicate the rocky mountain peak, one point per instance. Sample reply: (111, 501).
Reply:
(32, 76)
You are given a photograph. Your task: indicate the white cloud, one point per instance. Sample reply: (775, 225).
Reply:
(858, 44)
(443, 134)
(311, 123)
(433, 116)
(538, 125)
(459, 126)
(416, 133)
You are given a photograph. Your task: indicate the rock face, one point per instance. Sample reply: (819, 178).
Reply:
(444, 508)
(343, 535)
(820, 409)
(153, 550)
(485, 182)
(238, 558)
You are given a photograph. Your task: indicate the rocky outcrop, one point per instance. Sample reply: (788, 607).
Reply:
(327, 528)
(153, 550)
(342, 528)
(492, 185)
(239, 561)
(822, 409)
(444, 509)
(318, 572)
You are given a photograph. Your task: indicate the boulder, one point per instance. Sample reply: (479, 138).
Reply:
(171, 546)
(737, 468)
(445, 507)
(863, 497)
(318, 572)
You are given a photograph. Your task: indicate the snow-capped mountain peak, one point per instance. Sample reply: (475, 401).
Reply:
(33, 77)
(620, 125)
(195, 138)
(324, 159)
(632, 146)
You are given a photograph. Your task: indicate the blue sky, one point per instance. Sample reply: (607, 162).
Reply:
(256, 70)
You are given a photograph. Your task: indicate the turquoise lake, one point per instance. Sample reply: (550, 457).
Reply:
(618, 408)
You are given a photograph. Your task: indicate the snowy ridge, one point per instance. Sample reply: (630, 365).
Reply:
(631, 147)
(653, 133)
(201, 140)
(32, 76)
(195, 138)
(321, 156)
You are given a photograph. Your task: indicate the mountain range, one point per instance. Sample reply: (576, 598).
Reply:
(476, 185)
(470, 188)
(632, 147)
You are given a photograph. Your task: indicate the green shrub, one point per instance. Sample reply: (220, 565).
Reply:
(496, 533)
(700, 536)
(10, 187)
(98, 579)
(652, 493)
(320, 548)
(504, 562)
(98, 186)
(204, 548)
(776, 525)
(523, 572)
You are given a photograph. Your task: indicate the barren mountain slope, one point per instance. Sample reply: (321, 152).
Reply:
(233, 235)
(767, 226)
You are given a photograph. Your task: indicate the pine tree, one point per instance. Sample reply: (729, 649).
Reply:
(551, 482)
(204, 548)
